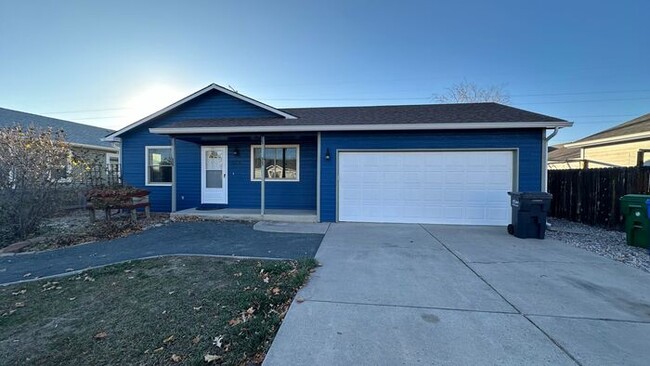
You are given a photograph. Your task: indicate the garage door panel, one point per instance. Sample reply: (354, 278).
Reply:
(452, 187)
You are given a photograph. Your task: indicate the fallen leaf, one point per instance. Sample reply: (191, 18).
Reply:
(276, 291)
(217, 341)
(250, 310)
(266, 279)
(20, 304)
(300, 299)
(238, 274)
(159, 349)
(234, 321)
(72, 298)
(101, 335)
(19, 292)
(176, 358)
(168, 339)
(196, 339)
(197, 308)
(27, 274)
(171, 292)
(211, 358)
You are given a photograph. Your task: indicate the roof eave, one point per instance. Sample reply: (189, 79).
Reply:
(361, 127)
(611, 140)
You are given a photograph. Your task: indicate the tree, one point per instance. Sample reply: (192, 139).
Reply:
(35, 165)
(466, 92)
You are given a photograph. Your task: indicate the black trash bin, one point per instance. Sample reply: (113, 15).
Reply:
(529, 214)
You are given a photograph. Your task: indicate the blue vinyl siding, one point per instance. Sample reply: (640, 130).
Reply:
(242, 192)
(213, 104)
(528, 141)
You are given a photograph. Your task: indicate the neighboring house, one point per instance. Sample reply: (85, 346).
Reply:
(84, 140)
(627, 144)
(562, 157)
(445, 164)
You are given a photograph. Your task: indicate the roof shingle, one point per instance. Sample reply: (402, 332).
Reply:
(400, 114)
(74, 132)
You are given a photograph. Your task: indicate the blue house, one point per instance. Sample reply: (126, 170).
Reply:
(220, 152)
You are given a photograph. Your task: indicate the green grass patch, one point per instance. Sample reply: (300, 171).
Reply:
(161, 311)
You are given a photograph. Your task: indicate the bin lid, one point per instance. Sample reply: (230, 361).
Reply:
(533, 195)
(635, 198)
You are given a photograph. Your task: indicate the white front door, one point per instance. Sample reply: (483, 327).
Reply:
(214, 174)
(433, 187)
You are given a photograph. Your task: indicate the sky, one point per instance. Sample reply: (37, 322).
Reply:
(109, 63)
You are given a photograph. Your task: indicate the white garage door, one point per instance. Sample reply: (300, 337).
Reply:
(437, 187)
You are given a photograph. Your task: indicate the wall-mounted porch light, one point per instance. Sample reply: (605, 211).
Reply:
(327, 154)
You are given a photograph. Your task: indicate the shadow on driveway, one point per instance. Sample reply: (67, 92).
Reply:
(180, 238)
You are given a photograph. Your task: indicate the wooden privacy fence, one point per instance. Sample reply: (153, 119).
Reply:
(592, 196)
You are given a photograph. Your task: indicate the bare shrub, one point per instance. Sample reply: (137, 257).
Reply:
(35, 166)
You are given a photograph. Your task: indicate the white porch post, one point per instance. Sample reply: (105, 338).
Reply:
(318, 157)
(173, 174)
(263, 175)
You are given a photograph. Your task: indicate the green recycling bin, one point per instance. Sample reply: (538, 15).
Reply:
(637, 224)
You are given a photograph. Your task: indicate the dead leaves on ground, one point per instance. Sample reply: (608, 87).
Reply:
(101, 335)
(212, 358)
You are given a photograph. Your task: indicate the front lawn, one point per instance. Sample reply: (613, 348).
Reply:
(164, 311)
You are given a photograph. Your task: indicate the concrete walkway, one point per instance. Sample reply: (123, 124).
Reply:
(434, 295)
(180, 238)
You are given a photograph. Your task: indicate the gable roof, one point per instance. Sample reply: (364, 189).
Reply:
(75, 133)
(562, 153)
(425, 116)
(638, 128)
(213, 86)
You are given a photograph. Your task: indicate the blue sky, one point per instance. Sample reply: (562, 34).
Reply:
(107, 63)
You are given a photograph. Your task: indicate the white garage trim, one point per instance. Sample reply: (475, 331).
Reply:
(514, 166)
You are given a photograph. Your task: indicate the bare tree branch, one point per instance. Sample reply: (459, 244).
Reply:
(467, 92)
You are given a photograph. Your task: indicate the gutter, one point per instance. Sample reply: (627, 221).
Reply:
(361, 127)
(611, 140)
(94, 147)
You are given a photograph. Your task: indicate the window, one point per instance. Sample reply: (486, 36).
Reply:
(112, 162)
(282, 163)
(158, 165)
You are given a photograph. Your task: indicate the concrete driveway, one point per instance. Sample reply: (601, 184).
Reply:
(427, 294)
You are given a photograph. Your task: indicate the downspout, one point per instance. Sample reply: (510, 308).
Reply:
(263, 176)
(545, 141)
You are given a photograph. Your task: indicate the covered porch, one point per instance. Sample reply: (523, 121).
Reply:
(270, 177)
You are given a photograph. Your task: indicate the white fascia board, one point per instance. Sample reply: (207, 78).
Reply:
(360, 127)
(94, 147)
(208, 88)
(611, 140)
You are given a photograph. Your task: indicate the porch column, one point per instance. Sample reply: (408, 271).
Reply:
(263, 175)
(173, 174)
(318, 157)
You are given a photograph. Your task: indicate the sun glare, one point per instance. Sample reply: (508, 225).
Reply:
(151, 100)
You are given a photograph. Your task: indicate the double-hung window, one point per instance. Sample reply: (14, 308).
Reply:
(282, 163)
(158, 160)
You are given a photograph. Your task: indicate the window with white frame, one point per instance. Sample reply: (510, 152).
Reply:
(158, 160)
(282, 163)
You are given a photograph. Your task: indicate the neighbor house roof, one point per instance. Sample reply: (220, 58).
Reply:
(636, 129)
(75, 133)
(426, 116)
(562, 153)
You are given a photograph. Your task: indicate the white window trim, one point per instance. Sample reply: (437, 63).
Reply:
(146, 166)
(296, 146)
(112, 155)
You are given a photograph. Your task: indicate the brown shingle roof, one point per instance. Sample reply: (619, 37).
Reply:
(639, 124)
(563, 153)
(401, 114)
